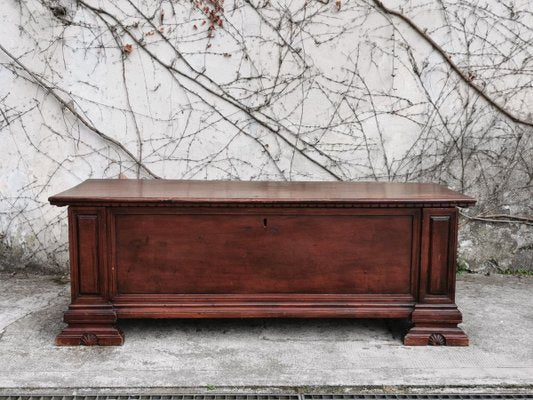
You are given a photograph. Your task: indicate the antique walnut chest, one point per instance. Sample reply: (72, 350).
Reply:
(218, 249)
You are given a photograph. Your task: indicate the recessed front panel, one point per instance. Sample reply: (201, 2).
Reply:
(87, 230)
(243, 253)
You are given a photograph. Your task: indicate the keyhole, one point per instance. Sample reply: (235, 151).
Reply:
(264, 222)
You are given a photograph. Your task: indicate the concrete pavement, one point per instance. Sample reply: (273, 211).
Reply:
(159, 354)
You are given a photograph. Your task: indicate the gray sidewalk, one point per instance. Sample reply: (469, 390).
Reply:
(498, 313)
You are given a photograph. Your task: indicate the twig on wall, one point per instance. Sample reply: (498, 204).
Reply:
(500, 219)
(379, 4)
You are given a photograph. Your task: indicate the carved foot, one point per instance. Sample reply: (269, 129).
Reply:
(435, 336)
(90, 325)
(436, 325)
(90, 335)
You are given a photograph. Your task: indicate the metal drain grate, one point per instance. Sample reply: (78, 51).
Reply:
(280, 397)
(417, 397)
(161, 397)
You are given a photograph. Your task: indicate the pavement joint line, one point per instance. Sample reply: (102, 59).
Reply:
(272, 396)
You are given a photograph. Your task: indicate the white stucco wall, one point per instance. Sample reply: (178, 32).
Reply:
(284, 90)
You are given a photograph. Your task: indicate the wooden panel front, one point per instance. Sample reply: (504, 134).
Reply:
(243, 253)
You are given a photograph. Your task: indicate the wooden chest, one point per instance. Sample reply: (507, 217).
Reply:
(217, 249)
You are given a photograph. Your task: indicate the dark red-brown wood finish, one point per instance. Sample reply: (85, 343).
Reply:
(218, 249)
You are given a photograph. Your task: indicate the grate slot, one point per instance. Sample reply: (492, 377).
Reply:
(417, 397)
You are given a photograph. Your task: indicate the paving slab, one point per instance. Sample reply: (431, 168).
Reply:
(498, 314)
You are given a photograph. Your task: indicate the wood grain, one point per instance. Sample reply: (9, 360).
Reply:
(239, 253)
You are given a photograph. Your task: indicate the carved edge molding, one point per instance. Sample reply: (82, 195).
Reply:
(313, 204)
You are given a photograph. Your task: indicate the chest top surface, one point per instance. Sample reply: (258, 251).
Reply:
(188, 192)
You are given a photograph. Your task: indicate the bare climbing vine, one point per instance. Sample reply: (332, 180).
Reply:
(436, 90)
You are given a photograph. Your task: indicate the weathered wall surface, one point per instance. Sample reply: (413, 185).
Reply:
(436, 90)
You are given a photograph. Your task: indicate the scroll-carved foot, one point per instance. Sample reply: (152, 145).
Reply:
(436, 325)
(90, 335)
